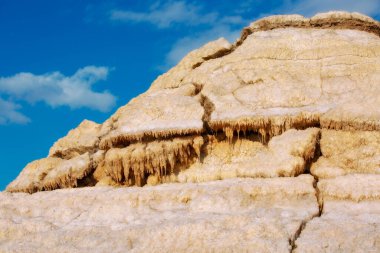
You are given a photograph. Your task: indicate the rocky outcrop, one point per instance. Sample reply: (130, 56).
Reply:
(232, 215)
(229, 132)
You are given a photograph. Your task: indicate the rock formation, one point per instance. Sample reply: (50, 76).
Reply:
(270, 144)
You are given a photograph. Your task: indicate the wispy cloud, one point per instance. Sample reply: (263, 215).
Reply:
(167, 14)
(311, 7)
(9, 113)
(54, 89)
(209, 25)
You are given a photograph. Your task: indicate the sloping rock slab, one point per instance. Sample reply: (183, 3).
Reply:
(240, 215)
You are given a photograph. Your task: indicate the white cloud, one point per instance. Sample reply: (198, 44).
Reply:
(55, 89)
(311, 7)
(167, 14)
(9, 113)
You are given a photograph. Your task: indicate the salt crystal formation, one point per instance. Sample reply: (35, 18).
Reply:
(270, 144)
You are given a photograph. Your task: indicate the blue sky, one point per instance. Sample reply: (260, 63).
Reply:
(64, 61)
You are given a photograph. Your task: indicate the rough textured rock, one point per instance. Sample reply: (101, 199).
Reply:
(272, 82)
(230, 130)
(284, 156)
(84, 138)
(173, 78)
(162, 113)
(350, 221)
(347, 152)
(156, 158)
(52, 173)
(232, 215)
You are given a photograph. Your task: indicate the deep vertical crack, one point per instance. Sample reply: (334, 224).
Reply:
(298, 233)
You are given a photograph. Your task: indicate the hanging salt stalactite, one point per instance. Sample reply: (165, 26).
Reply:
(132, 165)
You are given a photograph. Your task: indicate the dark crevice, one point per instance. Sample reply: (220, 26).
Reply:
(293, 240)
(208, 107)
(317, 196)
(198, 88)
(73, 152)
(315, 157)
(216, 55)
(122, 143)
(87, 181)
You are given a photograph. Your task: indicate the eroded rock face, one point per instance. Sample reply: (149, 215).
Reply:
(232, 215)
(292, 96)
(84, 138)
(348, 152)
(284, 156)
(350, 221)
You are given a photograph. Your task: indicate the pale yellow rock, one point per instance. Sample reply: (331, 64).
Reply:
(78, 141)
(354, 187)
(238, 215)
(175, 75)
(162, 113)
(350, 221)
(29, 180)
(346, 152)
(52, 173)
(332, 19)
(285, 155)
(273, 79)
(67, 173)
(287, 78)
(132, 164)
(252, 109)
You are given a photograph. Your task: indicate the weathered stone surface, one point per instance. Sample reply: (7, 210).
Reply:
(52, 173)
(288, 78)
(160, 159)
(285, 155)
(78, 141)
(350, 221)
(195, 58)
(329, 20)
(292, 96)
(260, 215)
(161, 113)
(347, 152)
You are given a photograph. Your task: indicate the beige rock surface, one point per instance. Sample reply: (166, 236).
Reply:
(350, 221)
(157, 158)
(195, 58)
(285, 155)
(162, 113)
(52, 173)
(347, 152)
(249, 215)
(292, 96)
(84, 138)
(287, 78)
